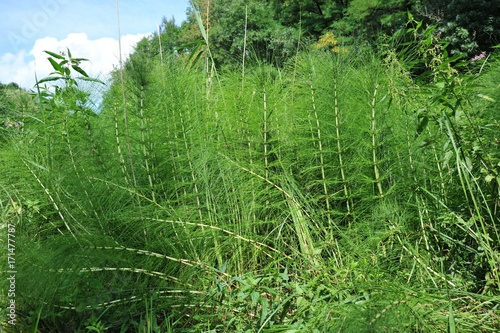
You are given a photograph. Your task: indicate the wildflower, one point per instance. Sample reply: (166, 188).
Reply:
(478, 57)
(328, 41)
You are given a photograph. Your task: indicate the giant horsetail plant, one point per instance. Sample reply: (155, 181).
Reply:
(336, 193)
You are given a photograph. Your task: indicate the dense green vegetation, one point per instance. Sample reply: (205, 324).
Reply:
(326, 188)
(272, 30)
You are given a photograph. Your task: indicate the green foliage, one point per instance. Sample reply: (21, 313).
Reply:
(330, 193)
(313, 17)
(468, 26)
(238, 25)
(271, 31)
(15, 104)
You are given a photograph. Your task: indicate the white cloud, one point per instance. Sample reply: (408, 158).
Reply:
(103, 55)
(13, 68)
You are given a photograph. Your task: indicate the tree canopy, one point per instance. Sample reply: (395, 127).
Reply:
(271, 31)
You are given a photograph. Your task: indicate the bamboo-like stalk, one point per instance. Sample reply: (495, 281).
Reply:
(276, 186)
(70, 147)
(259, 245)
(151, 273)
(51, 198)
(124, 100)
(408, 147)
(439, 168)
(250, 148)
(173, 141)
(175, 155)
(121, 158)
(191, 167)
(244, 50)
(423, 263)
(182, 261)
(419, 200)
(153, 158)
(212, 217)
(159, 42)
(339, 148)
(77, 173)
(301, 227)
(145, 153)
(207, 55)
(265, 135)
(373, 133)
(95, 149)
(320, 150)
(296, 61)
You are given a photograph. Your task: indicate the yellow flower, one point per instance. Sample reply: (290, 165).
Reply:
(328, 41)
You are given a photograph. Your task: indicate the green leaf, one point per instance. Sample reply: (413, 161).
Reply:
(78, 59)
(440, 84)
(486, 97)
(55, 55)
(255, 297)
(48, 79)
(428, 41)
(90, 79)
(56, 66)
(200, 22)
(489, 178)
(195, 54)
(422, 124)
(182, 47)
(36, 165)
(451, 320)
(79, 70)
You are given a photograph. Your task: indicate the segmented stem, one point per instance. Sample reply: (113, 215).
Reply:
(118, 145)
(145, 152)
(339, 148)
(374, 145)
(320, 149)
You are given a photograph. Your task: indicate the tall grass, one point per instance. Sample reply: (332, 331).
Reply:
(334, 210)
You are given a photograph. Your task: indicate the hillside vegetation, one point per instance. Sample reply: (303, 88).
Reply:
(339, 190)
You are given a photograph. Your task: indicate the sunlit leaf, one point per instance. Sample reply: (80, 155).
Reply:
(55, 55)
(486, 97)
(55, 65)
(48, 79)
(79, 70)
(200, 22)
(451, 320)
(74, 60)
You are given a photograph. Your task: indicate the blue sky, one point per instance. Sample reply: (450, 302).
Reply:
(89, 28)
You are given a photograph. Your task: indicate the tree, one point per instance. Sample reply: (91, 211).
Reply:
(469, 26)
(233, 26)
(170, 35)
(314, 16)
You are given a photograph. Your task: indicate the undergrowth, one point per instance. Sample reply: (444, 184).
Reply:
(335, 194)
